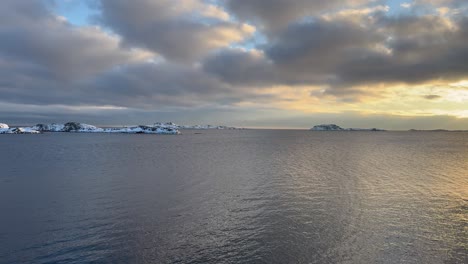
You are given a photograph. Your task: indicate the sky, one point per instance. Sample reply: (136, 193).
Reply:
(246, 63)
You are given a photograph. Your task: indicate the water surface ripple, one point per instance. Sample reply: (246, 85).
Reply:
(250, 196)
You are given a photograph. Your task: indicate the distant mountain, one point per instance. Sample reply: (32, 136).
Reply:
(333, 127)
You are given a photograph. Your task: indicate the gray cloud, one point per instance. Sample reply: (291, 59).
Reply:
(422, 49)
(155, 85)
(177, 29)
(440, 3)
(317, 47)
(304, 53)
(44, 60)
(47, 62)
(432, 97)
(240, 67)
(341, 54)
(31, 34)
(277, 14)
(144, 86)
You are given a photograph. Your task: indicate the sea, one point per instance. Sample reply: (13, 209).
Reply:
(235, 196)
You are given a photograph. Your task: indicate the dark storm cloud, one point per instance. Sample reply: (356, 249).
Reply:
(173, 28)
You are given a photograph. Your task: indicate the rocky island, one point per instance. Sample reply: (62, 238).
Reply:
(333, 127)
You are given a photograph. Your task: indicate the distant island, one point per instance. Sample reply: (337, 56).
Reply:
(75, 127)
(436, 130)
(333, 127)
(168, 128)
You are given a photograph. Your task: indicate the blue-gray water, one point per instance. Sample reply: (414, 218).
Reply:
(247, 196)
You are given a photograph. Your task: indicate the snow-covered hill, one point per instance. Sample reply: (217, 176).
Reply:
(168, 128)
(76, 127)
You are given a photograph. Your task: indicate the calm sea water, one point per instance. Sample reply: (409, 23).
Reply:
(247, 196)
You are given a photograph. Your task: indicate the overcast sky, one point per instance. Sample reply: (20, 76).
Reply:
(251, 63)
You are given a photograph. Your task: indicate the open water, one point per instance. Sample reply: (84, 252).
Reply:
(240, 196)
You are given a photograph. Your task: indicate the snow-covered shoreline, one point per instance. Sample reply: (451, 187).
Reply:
(75, 127)
(5, 129)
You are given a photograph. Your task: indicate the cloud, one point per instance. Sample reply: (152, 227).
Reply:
(304, 53)
(180, 30)
(278, 14)
(432, 97)
(343, 53)
(439, 2)
(44, 60)
(181, 56)
(31, 34)
(154, 86)
(406, 5)
(241, 67)
(421, 49)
